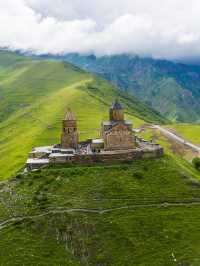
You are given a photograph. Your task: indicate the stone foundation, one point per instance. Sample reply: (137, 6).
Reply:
(109, 157)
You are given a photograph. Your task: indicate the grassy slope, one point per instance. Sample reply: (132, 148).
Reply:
(133, 236)
(188, 131)
(34, 95)
(181, 155)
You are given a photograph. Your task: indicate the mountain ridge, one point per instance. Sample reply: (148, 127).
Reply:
(171, 88)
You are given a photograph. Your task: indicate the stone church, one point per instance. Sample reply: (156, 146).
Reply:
(117, 133)
(117, 144)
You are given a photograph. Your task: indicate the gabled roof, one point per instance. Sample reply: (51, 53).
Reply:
(97, 141)
(44, 149)
(112, 123)
(37, 161)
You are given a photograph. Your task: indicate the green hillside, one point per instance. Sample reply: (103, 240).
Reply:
(34, 95)
(144, 213)
(140, 214)
(170, 88)
(190, 132)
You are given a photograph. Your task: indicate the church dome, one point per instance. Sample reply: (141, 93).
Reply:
(116, 112)
(116, 105)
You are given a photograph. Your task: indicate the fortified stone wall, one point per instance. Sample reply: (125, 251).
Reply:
(106, 158)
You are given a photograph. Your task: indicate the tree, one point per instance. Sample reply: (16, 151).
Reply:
(196, 163)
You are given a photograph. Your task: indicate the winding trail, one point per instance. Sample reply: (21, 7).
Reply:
(60, 210)
(173, 136)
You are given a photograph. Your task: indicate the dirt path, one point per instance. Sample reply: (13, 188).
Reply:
(167, 133)
(61, 210)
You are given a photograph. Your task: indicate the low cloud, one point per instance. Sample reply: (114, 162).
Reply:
(169, 30)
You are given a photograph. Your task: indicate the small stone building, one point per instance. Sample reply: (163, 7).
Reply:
(117, 133)
(69, 136)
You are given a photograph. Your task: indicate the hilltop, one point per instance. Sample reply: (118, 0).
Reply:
(34, 95)
(170, 88)
(141, 213)
(145, 213)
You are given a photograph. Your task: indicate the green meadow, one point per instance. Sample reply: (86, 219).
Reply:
(144, 213)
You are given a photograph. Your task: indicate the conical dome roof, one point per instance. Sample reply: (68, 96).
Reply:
(116, 105)
(69, 115)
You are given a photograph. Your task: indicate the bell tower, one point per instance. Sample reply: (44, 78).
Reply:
(69, 136)
(116, 112)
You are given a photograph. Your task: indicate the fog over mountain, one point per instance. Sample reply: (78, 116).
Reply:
(169, 29)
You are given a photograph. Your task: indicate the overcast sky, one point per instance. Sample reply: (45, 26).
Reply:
(167, 29)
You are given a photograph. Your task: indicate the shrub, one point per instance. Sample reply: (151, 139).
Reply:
(145, 168)
(138, 175)
(196, 163)
(30, 183)
(124, 167)
(18, 176)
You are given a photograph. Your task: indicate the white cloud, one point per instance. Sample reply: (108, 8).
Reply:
(162, 29)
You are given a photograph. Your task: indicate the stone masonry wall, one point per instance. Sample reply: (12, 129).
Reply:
(90, 159)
